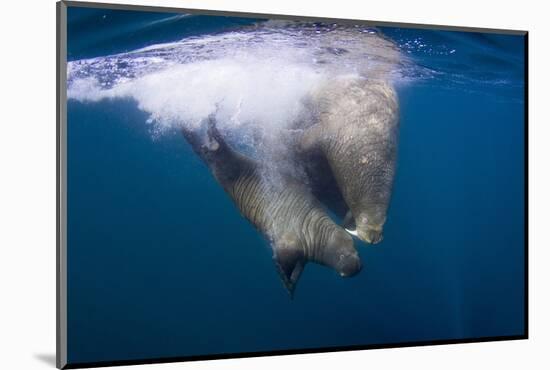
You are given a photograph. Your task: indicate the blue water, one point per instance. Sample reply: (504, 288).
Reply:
(161, 264)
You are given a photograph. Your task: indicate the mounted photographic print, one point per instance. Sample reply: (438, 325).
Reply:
(235, 184)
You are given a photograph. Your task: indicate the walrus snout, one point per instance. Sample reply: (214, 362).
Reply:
(349, 265)
(372, 235)
(341, 255)
(370, 225)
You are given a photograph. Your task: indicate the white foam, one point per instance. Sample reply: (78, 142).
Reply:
(245, 90)
(259, 75)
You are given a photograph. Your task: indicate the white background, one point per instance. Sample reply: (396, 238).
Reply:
(27, 182)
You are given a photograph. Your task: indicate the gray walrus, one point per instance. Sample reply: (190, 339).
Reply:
(357, 132)
(288, 215)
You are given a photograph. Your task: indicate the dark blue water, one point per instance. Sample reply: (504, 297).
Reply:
(161, 264)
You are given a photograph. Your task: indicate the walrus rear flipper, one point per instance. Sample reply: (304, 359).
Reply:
(194, 139)
(202, 142)
(290, 261)
(209, 144)
(213, 133)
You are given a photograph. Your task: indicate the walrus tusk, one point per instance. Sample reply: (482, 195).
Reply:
(352, 232)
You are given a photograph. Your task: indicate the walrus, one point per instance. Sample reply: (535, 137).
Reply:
(357, 132)
(287, 214)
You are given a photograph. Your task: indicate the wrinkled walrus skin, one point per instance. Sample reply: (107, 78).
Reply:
(289, 216)
(357, 132)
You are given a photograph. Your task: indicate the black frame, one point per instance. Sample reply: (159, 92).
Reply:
(61, 103)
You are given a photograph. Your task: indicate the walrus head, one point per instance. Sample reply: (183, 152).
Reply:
(338, 253)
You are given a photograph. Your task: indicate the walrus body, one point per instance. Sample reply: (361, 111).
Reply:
(357, 133)
(287, 214)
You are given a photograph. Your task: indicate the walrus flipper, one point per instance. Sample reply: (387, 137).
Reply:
(290, 261)
(225, 163)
